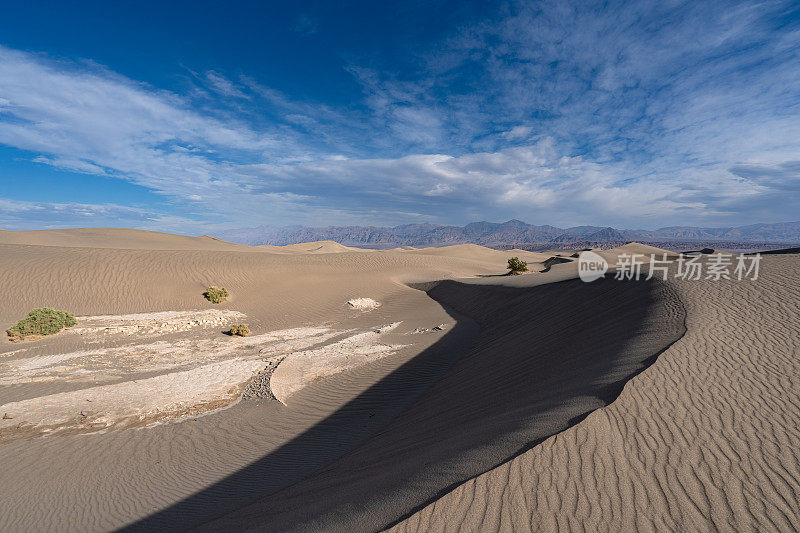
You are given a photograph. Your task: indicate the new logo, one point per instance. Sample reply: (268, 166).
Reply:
(591, 266)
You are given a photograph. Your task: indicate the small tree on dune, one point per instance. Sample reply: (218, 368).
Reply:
(516, 266)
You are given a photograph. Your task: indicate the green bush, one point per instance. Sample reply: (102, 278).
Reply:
(516, 266)
(215, 295)
(240, 329)
(42, 321)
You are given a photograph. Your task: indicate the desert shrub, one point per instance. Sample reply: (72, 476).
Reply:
(240, 329)
(516, 266)
(216, 295)
(42, 321)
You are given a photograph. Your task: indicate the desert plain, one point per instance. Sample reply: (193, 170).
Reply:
(404, 390)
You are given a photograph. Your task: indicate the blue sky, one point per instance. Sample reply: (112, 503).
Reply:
(199, 116)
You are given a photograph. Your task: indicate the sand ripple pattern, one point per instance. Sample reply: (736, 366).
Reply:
(539, 359)
(706, 439)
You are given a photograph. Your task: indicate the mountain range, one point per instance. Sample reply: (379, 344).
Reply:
(513, 233)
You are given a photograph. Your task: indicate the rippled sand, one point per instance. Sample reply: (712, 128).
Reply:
(534, 402)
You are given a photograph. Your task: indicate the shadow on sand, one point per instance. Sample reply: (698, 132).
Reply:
(521, 364)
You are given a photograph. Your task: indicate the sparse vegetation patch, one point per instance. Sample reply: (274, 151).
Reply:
(516, 266)
(40, 322)
(240, 329)
(216, 295)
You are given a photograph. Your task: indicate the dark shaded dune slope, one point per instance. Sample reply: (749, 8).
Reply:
(544, 357)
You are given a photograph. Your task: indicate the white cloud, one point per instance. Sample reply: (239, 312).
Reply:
(631, 115)
(75, 165)
(512, 182)
(16, 214)
(222, 85)
(517, 132)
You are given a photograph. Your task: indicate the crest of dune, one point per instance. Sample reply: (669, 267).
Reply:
(468, 400)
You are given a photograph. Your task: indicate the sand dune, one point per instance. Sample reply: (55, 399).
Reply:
(543, 357)
(274, 291)
(477, 252)
(548, 263)
(318, 247)
(116, 238)
(122, 238)
(705, 439)
(531, 402)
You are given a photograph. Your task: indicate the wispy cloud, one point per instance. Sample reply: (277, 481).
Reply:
(517, 132)
(633, 114)
(223, 86)
(48, 215)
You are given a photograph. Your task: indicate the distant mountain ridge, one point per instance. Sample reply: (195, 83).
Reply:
(510, 233)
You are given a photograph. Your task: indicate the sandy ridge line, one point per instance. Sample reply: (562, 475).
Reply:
(537, 442)
(451, 415)
(706, 439)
